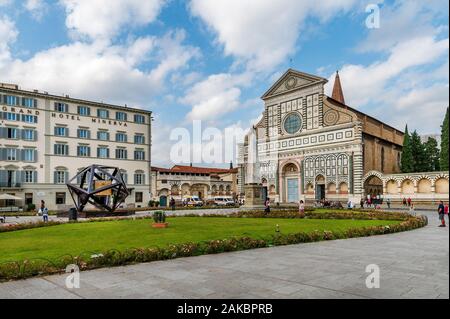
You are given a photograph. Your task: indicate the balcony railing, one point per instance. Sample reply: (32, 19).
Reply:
(10, 185)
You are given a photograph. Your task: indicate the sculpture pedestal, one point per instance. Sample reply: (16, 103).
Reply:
(253, 197)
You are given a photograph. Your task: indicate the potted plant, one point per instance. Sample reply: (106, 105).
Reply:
(159, 218)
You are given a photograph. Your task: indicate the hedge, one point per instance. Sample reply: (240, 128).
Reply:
(110, 258)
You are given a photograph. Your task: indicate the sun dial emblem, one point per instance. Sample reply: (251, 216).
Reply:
(291, 83)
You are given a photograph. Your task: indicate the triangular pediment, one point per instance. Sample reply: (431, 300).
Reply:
(292, 80)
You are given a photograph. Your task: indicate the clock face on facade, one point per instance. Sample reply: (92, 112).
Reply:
(292, 123)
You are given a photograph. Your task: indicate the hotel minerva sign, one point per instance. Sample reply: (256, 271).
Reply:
(62, 116)
(94, 120)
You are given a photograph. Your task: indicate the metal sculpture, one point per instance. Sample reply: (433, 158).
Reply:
(98, 185)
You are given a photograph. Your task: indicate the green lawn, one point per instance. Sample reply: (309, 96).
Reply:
(86, 238)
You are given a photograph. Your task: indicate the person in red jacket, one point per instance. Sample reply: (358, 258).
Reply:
(446, 212)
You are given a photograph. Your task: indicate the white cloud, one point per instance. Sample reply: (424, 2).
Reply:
(4, 3)
(422, 108)
(402, 21)
(363, 84)
(409, 86)
(8, 34)
(217, 95)
(103, 19)
(98, 71)
(261, 33)
(36, 7)
(213, 97)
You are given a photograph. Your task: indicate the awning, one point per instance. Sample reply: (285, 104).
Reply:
(10, 197)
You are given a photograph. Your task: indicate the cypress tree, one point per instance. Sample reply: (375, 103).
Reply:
(444, 144)
(407, 162)
(418, 151)
(432, 154)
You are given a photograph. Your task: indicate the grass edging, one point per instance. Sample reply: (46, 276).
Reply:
(241, 214)
(38, 267)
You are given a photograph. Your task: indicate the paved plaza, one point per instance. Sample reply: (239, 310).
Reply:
(412, 264)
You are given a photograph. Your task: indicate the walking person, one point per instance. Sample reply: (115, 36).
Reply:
(172, 203)
(301, 208)
(404, 201)
(409, 201)
(43, 211)
(388, 202)
(446, 212)
(441, 212)
(412, 212)
(267, 204)
(361, 203)
(350, 204)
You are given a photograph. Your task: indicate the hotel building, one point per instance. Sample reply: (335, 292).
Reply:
(46, 139)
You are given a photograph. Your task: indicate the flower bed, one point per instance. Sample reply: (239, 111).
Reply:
(30, 268)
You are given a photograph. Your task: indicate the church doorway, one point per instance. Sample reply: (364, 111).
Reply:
(320, 187)
(292, 190)
(162, 201)
(291, 183)
(373, 186)
(265, 192)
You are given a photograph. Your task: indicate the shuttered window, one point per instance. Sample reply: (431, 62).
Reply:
(121, 153)
(29, 102)
(29, 176)
(103, 152)
(60, 177)
(61, 149)
(83, 151)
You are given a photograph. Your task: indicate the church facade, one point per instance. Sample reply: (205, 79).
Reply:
(309, 146)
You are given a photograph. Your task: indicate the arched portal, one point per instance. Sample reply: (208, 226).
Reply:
(290, 177)
(163, 195)
(200, 190)
(320, 187)
(185, 189)
(373, 186)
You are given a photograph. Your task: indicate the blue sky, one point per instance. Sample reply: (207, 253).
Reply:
(211, 60)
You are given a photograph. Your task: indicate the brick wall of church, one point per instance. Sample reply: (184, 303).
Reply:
(373, 149)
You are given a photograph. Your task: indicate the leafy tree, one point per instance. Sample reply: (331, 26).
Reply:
(432, 154)
(444, 144)
(419, 156)
(407, 162)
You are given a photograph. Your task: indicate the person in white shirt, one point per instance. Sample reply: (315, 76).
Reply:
(350, 204)
(43, 211)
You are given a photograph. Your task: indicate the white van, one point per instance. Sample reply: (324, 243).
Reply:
(192, 201)
(223, 201)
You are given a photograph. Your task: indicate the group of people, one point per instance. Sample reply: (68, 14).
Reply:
(328, 204)
(407, 202)
(371, 202)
